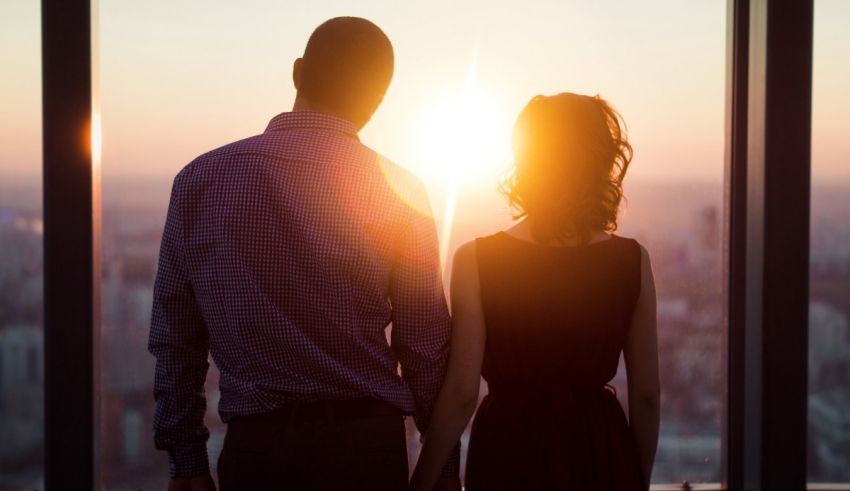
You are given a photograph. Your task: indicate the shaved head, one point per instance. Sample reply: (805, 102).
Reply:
(346, 68)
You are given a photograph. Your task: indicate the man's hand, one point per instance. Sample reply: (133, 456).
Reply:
(197, 483)
(448, 484)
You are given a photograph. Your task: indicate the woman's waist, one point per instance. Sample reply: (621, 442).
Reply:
(558, 414)
(532, 387)
(559, 396)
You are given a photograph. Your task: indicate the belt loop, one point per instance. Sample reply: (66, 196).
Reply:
(330, 412)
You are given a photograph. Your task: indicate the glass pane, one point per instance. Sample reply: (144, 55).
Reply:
(178, 81)
(21, 279)
(829, 308)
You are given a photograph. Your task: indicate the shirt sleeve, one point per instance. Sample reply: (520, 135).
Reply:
(178, 340)
(421, 325)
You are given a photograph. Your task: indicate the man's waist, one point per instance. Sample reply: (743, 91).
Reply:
(336, 410)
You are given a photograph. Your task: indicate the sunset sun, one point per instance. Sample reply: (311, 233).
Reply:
(465, 138)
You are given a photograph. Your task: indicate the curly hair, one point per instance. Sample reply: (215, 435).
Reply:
(571, 154)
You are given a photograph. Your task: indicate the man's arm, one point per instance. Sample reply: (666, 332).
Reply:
(178, 340)
(421, 322)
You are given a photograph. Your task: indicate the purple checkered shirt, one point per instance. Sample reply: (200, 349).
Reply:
(285, 256)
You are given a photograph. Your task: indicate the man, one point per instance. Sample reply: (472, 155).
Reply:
(285, 256)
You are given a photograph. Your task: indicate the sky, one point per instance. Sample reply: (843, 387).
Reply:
(178, 78)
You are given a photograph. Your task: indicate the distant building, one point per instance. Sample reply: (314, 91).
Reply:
(829, 346)
(21, 395)
(829, 392)
(829, 428)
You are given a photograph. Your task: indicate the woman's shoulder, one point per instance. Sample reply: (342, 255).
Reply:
(464, 273)
(482, 248)
(634, 262)
(466, 252)
(474, 247)
(630, 251)
(636, 246)
(628, 241)
(495, 236)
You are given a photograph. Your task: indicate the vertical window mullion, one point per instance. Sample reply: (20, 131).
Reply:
(777, 244)
(735, 201)
(70, 245)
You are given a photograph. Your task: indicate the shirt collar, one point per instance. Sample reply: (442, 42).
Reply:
(312, 120)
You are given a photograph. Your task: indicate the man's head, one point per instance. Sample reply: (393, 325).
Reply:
(346, 69)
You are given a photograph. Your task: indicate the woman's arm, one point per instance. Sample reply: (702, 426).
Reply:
(459, 394)
(641, 355)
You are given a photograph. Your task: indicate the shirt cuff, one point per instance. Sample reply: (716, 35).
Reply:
(188, 460)
(452, 467)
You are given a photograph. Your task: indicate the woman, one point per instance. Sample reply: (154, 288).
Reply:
(543, 310)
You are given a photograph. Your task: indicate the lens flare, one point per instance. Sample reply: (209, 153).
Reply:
(96, 138)
(465, 139)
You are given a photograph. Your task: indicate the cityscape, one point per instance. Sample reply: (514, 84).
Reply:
(680, 224)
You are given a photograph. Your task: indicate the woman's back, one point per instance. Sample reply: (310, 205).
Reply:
(556, 315)
(557, 319)
(545, 325)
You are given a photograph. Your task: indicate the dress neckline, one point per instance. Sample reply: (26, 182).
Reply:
(611, 238)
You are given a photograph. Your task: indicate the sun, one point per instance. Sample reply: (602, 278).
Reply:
(465, 138)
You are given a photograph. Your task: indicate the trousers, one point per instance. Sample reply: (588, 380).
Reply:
(357, 444)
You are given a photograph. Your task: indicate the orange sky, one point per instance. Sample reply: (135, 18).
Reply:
(178, 79)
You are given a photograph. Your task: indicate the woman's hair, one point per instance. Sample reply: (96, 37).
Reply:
(571, 154)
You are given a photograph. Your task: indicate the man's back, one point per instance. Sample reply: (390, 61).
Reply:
(287, 254)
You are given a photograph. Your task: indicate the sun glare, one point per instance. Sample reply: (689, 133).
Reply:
(465, 139)
(96, 138)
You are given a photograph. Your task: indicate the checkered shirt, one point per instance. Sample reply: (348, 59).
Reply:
(286, 256)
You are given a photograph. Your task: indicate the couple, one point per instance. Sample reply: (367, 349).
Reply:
(286, 255)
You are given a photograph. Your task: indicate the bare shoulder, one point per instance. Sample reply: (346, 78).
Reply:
(647, 276)
(466, 254)
(465, 289)
(465, 267)
(644, 254)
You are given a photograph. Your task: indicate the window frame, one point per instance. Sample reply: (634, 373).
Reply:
(769, 166)
(71, 208)
(766, 200)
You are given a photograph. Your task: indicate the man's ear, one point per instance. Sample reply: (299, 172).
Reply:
(296, 72)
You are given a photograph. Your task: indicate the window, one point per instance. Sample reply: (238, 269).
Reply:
(21, 278)
(164, 101)
(829, 308)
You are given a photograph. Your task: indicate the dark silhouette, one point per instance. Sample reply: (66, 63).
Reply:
(543, 311)
(286, 256)
(345, 71)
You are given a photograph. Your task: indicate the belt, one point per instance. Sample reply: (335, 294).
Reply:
(336, 410)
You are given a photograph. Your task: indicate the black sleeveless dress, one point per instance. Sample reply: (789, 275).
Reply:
(557, 320)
